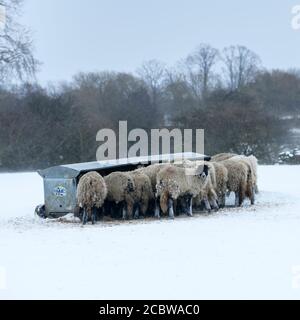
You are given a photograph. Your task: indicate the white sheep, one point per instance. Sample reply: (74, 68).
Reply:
(91, 194)
(221, 174)
(152, 171)
(174, 182)
(237, 179)
(121, 190)
(252, 160)
(251, 176)
(143, 192)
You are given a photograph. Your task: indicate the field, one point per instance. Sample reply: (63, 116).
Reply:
(252, 252)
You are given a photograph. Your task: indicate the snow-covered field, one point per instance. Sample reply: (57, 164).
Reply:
(253, 252)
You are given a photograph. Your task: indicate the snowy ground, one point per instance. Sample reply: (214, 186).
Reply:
(236, 253)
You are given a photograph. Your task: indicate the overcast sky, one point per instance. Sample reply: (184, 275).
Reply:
(89, 35)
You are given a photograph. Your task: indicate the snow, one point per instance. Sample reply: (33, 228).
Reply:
(247, 253)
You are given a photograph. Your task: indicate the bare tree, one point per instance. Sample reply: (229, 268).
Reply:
(153, 72)
(16, 48)
(241, 66)
(200, 68)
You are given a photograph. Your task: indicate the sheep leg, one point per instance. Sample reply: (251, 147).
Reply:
(241, 202)
(157, 210)
(94, 215)
(124, 212)
(137, 212)
(253, 196)
(100, 214)
(241, 196)
(207, 205)
(176, 207)
(190, 207)
(84, 217)
(144, 209)
(119, 211)
(219, 201)
(171, 208)
(223, 201)
(215, 204)
(237, 199)
(106, 209)
(250, 194)
(130, 206)
(184, 205)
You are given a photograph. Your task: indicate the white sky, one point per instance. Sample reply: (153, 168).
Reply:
(74, 35)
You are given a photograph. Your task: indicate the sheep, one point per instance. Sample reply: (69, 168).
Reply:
(208, 194)
(250, 179)
(222, 156)
(252, 160)
(174, 182)
(218, 185)
(91, 194)
(221, 174)
(121, 190)
(152, 171)
(237, 179)
(252, 176)
(143, 192)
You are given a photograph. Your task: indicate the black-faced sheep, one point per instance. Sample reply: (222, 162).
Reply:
(174, 182)
(208, 194)
(91, 194)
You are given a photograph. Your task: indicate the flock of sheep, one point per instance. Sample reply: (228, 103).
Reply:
(168, 189)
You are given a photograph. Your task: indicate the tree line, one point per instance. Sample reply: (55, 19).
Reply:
(41, 127)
